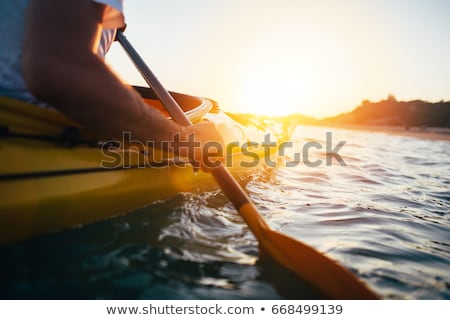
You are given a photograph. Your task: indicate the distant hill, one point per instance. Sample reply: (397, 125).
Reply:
(390, 112)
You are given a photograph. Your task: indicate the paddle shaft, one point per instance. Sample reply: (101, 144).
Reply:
(223, 177)
(306, 262)
(166, 99)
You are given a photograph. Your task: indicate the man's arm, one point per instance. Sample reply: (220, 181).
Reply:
(61, 67)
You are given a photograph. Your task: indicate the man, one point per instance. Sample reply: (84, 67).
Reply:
(50, 54)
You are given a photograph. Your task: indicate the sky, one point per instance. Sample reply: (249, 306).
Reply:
(278, 57)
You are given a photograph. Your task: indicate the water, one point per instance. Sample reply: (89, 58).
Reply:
(385, 216)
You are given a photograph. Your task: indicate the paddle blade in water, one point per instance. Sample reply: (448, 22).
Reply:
(307, 263)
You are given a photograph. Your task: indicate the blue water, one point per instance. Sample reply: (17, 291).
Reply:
(384, 215)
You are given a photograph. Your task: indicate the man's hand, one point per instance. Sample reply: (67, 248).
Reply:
(202, 143)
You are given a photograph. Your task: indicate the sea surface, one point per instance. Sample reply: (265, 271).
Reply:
(383, 211)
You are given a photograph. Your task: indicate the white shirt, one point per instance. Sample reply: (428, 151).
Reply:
(114, 13)
(12, 21)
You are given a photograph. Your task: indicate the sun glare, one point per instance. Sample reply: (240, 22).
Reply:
(285, 73)
(271, 91)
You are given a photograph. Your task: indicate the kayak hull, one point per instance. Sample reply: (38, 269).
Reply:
(46, 186)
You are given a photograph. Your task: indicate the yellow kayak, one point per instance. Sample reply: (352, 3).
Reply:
(54, 174)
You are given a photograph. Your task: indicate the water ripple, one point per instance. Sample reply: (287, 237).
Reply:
(385, 215)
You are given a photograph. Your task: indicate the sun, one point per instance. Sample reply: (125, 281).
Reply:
(274, 90)
(274, 77)
(284, 71)
(271, 91)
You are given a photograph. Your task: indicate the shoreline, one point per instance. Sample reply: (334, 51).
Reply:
(428, 133)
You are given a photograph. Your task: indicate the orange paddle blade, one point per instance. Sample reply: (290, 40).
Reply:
(306, 262)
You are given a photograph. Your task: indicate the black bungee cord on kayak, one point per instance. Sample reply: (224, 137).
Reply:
(69, 137)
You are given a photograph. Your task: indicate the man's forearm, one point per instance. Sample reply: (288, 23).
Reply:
(92, 95)
(60, 66)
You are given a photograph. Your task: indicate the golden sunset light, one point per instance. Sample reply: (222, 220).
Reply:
(174, 157)
(317, 58)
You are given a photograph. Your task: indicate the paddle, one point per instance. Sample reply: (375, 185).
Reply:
(307, 263)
